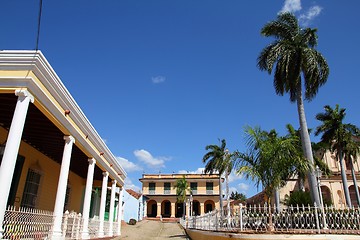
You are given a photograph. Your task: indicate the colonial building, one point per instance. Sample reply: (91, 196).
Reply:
(161, 196)
(52, 158)
(332, 189)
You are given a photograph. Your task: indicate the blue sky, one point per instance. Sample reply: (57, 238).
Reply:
(161, 79)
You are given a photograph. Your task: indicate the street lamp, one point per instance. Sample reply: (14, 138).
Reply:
(318, 174)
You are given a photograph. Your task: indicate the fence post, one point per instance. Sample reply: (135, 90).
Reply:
(216, 221)
(241, 217)
(78, 226)
(317, 218)
(66, 215)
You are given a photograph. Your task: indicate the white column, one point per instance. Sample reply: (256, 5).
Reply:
(111, 211)
(120, 207)
(102, 204)
(12, 148)
(87, 198)
(61, 189)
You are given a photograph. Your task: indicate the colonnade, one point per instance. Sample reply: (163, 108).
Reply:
(8, 165)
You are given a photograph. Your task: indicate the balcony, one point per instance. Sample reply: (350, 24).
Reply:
(167, 191)
(152, 191)
(194, 191)
(209, 192)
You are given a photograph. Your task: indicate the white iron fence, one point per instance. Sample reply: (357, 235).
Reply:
(299, 219)
(26, 223)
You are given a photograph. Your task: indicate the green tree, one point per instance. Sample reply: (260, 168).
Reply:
(182, 190)
(351, 152)
(269, 160)
(238, 196)
(338, 136)
(295, 57)
(218, 159)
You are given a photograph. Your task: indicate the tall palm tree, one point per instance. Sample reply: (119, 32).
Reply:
(182, 190)
(218, 159)
(269, 160)
(318, 154)
(338, 135)
(351, 152)
(295, 57)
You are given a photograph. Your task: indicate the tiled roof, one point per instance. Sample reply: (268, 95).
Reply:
(133, 193)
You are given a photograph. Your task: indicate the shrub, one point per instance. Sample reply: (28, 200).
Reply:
(298, 198)
(132, 221)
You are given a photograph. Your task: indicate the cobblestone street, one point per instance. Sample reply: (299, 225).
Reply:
(152, 230)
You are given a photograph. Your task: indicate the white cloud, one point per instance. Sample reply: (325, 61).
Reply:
(291, 6)
(152, 162)
(128, 166)
(313, 12)
(233, 177)
(158, 79)
(243, 187)
(130, 185)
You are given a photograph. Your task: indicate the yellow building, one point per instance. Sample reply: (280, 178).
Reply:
(161, 197)
(332, 188)
(52, 159)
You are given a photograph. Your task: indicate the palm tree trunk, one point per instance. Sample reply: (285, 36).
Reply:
(344, 179)
(306, 145)
(355, 182)
(221, 202)
(277, 199)
(227, 196)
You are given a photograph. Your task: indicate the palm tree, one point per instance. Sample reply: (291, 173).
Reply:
(295, 57)
(338, 135)
(182, 189)
(351, 152)
(219, 159)
(269, 160)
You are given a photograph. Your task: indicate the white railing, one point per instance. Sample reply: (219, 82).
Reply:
(26, 223)
(299, 219)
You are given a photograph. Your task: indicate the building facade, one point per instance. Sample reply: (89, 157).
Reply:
(332, 188)
(52, 159)
(161, 199)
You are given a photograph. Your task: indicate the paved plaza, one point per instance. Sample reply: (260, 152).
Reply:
(152, 230)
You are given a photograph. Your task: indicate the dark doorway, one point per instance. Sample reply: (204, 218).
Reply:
(208, 208)
(179, 210)
(167, 209)
(196, 208)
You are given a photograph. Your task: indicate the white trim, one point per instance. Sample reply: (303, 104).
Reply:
(37, 63)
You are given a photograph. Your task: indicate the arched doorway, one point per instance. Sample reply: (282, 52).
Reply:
(195, 208)
(152, 208)
(166, 209)
(326, 194)
(179, 210)
(353, 196)
(209, 205)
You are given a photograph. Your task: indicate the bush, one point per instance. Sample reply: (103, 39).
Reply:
(298, 198)
(132, 221)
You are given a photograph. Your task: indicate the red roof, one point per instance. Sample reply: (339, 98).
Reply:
(133, 193)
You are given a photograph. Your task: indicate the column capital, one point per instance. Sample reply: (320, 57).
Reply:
(91, 161)
(114, 181)
(24, 93)
(69, 139)
(105, 174)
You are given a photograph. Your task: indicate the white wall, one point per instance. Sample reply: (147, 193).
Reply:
(130, 207)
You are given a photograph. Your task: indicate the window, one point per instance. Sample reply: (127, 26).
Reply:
(209, 188)
(151, 188)
(31, 189)
(193, 187)
(167, 186)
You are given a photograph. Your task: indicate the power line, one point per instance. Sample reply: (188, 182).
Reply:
(38, 26)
